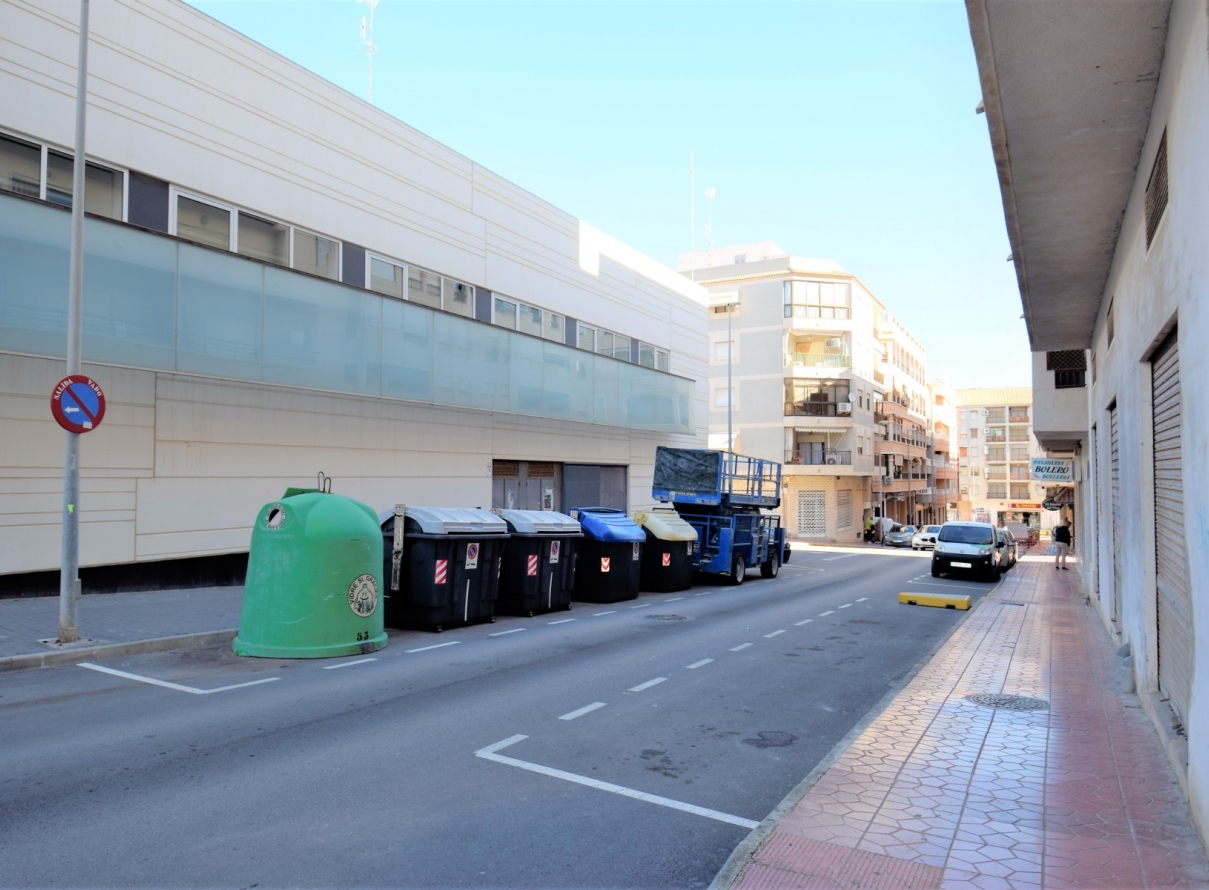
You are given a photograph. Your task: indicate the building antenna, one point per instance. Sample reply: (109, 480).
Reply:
(367, 42)
(709, 226)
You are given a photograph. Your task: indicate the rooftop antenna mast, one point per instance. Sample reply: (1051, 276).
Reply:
(367, 42)
(709, 226)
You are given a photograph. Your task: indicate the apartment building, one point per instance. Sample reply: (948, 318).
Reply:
(903, 449)
(281, 279)
(945, 451)
(1107, 208)
(797, 335)
(997, 448)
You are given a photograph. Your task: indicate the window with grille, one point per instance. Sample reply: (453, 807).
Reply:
(1156, 191)
(843, 509)
(812, 514)
(1110, 325)
(1069, 367)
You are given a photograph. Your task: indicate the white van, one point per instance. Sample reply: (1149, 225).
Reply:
(968, 546)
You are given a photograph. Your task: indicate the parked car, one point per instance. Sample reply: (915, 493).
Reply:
(900, 536)
(1010, 553)
(974, 547)
(925, 538)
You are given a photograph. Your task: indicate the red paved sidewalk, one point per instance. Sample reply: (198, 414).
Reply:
(943, 792)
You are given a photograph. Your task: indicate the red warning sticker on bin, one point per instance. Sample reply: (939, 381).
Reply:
(532, 566)
(604, 563)
(442, 571)
(667, 560)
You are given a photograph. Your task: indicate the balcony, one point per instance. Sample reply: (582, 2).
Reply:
(813, 360)
(152, 301)
(941, 443)
(818, 409)
(804, 457)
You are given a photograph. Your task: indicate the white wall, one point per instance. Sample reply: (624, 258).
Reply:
(1151, 289)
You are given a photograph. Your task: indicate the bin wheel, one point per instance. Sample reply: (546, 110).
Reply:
(771, 566)
(738, 570)
(438, 629)
(530, 614)
(567, 607)
(491, 620)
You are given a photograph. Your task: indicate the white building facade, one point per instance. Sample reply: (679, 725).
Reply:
(1106, 198)
(280, 279)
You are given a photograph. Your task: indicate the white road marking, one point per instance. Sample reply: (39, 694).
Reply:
(696, 664)
(933, 583)
(560, 621)
(846, 605)
(192, 690)
(437, 646)
(673, 599)
(598, 614)
(845, 556)
(800, 623)
(586, 709)
(862, 599)
(828, 612)
(489, 753)
(707, 593)
(775, 633)
(741, 646)
(514, 630)
(348, 664)
(647, 685)
(642, 605)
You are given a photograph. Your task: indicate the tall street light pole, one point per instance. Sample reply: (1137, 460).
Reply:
(69, 581)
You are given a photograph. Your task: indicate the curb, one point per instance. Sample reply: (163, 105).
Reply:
(114, 650)
(743, 854)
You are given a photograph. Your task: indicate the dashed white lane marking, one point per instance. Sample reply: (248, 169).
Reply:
(706, 593)
(586, 709)
(514, 630)
(489, 753)
(775, 633)
(673, 599)
(800, 623)
(846, 605)
(348, 664)
(740, 647)
(437, 646)
(828, 612)
(560, 621)
(598, 614)
(862, 599)
(648, 684)
(642, 605)
(696, 664)
(834, 558)
(192, 690)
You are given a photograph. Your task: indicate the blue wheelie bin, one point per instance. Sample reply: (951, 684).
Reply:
(539, 562)
(609, 563)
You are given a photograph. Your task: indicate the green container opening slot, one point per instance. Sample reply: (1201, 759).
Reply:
(314, 582)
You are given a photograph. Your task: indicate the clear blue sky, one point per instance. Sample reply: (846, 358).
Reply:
(838, 130)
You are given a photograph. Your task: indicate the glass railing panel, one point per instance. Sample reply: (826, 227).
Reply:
(33, 277)
(221, 312)
(407, 348)
(321, 334)
(471, 363)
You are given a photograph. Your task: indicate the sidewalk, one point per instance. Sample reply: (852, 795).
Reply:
(115, 624)
(1066, 787)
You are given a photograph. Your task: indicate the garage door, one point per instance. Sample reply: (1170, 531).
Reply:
(1174, 603)
(812, 514)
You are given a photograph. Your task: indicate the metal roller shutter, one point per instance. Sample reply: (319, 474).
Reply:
(1114, 450)
(1174, 606)
(843, 517)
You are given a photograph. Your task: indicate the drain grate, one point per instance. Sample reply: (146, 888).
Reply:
(1008, 702)
(665, 617)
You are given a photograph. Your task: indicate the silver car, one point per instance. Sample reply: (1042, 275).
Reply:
(900, 536)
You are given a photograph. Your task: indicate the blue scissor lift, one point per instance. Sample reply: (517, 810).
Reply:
(728, 498)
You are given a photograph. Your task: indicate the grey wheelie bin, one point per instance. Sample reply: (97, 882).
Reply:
(667, 555)
(539, 562)
(607, 568)
(442, 568)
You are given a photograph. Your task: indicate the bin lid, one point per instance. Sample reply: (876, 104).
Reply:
(450, 520)
(540, 522)
(609, 525)
(666, 525)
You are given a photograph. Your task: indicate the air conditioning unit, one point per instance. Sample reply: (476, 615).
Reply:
(986, 412)
(843, 408)
(986, 449)
(834, 344)
(965, 489)
(832, 460)
(887, 480)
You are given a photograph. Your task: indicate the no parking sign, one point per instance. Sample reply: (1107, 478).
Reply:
(77, 403)
(472, 556)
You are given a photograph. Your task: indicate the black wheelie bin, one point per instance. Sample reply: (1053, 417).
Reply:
(608, 565)
(667, 555)
(539, 562)
(443, 567)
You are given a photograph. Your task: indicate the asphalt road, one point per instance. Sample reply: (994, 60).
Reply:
(644, 740)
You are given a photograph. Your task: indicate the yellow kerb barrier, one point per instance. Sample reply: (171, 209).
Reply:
(939, 600)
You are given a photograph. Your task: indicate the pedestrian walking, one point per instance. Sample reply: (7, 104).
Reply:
(1061, 536)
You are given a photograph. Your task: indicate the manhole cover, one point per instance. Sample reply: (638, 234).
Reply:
(1009, 702)
(664, 617)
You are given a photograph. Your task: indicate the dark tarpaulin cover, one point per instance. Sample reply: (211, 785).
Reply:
(687, 469)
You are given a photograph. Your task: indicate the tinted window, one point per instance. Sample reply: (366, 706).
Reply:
(932, 529)
(966, 534)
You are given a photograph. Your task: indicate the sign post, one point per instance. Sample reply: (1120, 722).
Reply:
(69, 581)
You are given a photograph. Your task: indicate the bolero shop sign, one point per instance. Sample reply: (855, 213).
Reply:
(1047, 469)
